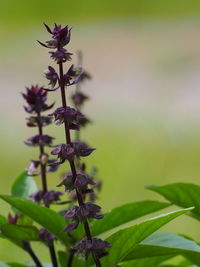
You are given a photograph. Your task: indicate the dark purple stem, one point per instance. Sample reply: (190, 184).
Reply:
(45, 188)
(72, 164)
(53, 254)
(27, 248)
(42, 165)
(70, 259)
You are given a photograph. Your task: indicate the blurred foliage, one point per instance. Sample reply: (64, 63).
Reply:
(48, 10)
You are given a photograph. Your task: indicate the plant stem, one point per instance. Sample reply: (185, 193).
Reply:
(43, 165)
(72, 164)
(71, 257)
(45, 188)
(53, 254)
(27, 247)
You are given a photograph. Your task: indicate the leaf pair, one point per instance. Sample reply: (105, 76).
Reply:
(124, 241)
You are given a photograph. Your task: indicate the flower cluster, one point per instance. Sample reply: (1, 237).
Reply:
(77, 214)
(39, 139)
(69, 151)
(72, 76)
(60, 36)
(69, 115)
(47, 198)
(33, 121)
(81, 182)
(96, 244)
(46, 236)
(77, 181)
(33, 169)
(36, 98)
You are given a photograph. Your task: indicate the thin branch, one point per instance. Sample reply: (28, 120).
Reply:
(27, 247)
(53, 254)
(71, 257)
(42, 165)
(45, 189)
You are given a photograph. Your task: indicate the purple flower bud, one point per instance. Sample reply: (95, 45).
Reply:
(61, 55)
(51, 196)
(71, 226)
(37, 196)
(34, 121)
(64, 152)
(83, 180)
(46, 236)
(71, 212)
(36, 97)
(69, 115)
(82, 212)
(67, 182)
(83, 121)
(87, 210)
(96, 245)
(98, 216)
(82, 149)
(79, 98)
(67, 151)
(52, 166)
(52, 76)
(92, 209)
(61, 36)
(37, 140)
(13, 219)
(72, 76)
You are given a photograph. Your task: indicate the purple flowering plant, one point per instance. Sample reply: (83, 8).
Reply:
(73, 235)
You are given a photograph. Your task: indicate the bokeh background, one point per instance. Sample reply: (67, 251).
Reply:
(144, 57)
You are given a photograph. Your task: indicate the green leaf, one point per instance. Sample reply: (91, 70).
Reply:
(181, 194)
(20, 232)
(23, 186)
(24, 220)
(46, 217)
(3, 220)
(126, 213)
(124, 241)
(163, 244)
(145, 262)
(62, 257)
(2, 236)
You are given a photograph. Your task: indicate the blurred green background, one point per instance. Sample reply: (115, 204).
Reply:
(144, 57)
